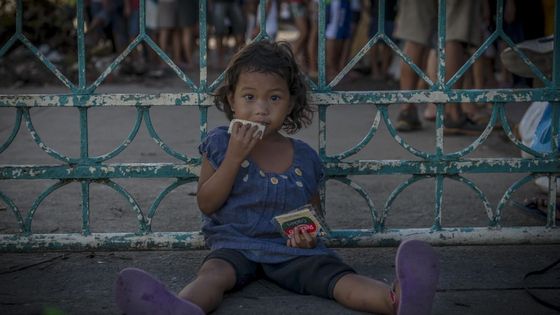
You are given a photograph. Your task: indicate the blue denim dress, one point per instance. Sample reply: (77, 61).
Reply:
(244, 222)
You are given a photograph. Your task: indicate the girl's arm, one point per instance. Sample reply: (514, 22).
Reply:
(214, 185)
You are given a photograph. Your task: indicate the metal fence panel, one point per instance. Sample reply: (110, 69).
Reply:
(86, 169)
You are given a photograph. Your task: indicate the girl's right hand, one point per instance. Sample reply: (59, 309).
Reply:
(301, 239)
(242, 140)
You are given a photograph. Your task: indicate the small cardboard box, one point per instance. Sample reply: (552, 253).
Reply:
(304, 218)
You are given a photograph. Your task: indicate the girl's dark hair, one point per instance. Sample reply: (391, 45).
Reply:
(268, 57)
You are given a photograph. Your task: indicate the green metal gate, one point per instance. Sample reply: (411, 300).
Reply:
(87, 169)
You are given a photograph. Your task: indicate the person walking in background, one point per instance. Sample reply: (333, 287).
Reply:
(136, 62)
(188, 22)
(312, 45)
(300, 13)
(416, 26)
(339, 21)
(169, 36)
(381, 55)
(250, 8)
(355, 17)
(107, 21)
(271, 19)
(230, 10)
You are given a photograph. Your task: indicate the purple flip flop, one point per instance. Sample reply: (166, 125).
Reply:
(417, 268)
(138, 293)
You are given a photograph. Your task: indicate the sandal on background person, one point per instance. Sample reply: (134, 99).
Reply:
(462, 127)
(479, 117)
(408, 120)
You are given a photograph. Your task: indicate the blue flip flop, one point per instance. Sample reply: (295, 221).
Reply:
(139, 293)
(417, 269)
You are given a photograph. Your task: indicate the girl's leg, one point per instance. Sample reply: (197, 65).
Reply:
(417, 273)
(364, 294)
(138, 292)
(215, 277)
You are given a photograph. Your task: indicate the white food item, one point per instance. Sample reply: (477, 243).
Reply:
(261, 127)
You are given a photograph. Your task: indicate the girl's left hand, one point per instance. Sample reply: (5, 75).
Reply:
(302, 239)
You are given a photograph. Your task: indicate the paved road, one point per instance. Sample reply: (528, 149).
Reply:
(475, 280)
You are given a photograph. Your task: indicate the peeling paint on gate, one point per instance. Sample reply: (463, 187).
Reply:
(439, 165)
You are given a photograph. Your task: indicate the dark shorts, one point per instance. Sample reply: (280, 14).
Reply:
(313, 275)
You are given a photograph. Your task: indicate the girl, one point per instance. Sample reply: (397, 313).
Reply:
(245, 181)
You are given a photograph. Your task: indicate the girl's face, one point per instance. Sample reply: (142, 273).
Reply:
(263, 98)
